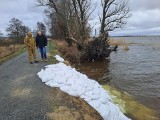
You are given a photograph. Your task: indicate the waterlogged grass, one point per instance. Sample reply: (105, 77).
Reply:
(119, 43)
(129, 106)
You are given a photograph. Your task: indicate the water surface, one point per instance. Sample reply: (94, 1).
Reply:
(136, 71)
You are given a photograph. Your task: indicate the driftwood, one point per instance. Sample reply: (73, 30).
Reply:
(94, 50)
(114, 48)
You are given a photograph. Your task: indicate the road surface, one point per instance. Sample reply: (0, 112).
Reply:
(24, 97)
(22, 94)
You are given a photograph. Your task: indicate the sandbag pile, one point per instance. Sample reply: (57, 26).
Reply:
(79, 85)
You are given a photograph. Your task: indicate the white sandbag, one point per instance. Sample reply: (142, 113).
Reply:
(79, 85)
(65, 88)
(95, 104)
(58, 58)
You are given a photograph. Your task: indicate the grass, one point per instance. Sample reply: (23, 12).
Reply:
(58, 47)
(9, 49)
(52, 52)
(12, 55)
(9, 52)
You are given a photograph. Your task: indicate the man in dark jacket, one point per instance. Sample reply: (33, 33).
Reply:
(41, 43)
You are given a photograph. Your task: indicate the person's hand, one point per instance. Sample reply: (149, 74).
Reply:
(45, 46)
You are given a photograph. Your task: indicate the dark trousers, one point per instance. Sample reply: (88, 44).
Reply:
(43, 52)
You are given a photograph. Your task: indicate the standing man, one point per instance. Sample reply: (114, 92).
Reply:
(29, 41)
(41, 43)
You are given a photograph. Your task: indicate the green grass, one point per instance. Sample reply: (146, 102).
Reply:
(2, 60)
(52, 51)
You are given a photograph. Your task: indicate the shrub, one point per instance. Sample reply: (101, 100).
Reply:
(94, 50)
(6, 51)
(70, 53)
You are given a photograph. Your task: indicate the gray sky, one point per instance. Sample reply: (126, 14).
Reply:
(24, 10)
(145, 16)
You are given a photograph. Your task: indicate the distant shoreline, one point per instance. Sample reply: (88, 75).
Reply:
(114, 36)
(138, 36)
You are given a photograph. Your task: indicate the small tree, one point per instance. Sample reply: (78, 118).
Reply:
(34, 32)
(1, 35)
(24, 30)
(114, 15)
(41, 27)
(16, 29)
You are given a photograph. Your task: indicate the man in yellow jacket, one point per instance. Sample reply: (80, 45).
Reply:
(29, 41)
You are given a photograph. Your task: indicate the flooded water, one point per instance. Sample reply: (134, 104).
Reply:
(136, 71)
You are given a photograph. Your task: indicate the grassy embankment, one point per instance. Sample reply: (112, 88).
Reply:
(9, 50)
(71, 107)
(71, 54)
(52, 52)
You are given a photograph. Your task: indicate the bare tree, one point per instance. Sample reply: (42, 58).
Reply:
(70, 16)
(82, 12)
(58, 16)
(115, 14)
(41, 27)
(1, 35)
(34, 31)
(69, 19)
(16, 29)
(23, 30)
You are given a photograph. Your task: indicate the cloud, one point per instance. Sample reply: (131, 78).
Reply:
(142, 22)
(145, 15)
(24, 10)
(137, 5)
(145, 18)
(150, 31)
